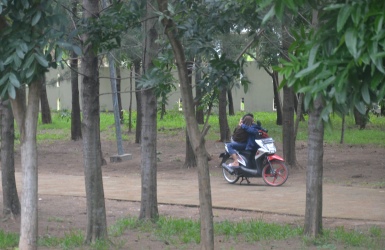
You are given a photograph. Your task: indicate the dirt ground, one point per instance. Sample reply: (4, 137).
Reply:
(361, 166)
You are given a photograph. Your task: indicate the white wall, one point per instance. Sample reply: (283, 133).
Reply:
(258, 98)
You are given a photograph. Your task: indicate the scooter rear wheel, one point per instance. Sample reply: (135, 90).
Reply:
(230, 178)
(276, 174)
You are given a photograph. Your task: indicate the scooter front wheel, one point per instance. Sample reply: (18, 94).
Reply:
(230, 178)
(275, 174)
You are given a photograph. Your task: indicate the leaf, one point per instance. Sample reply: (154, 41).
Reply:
(343, 16)
(14, 81)
(351, 42)
(41, 60)
(361, 107)
(312, 54)
(365, 93)
(11, 91)
(269, 15)
(307, 71)
(36, 18)
(77, 50)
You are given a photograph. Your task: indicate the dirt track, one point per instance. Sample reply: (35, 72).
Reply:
(339, 201)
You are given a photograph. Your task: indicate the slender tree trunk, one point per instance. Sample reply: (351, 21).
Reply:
(231, 102)
(199, 111)
(96, 211)
(314, 173)
(138, 95)
(119, 95)
(288, 127)
(45, 110)
(288, 111)
(11, 203)
(223, 123)
(196, 137)
(76, 129)
(277, 98)
(149, 200)
(190, 161)
(299, 115)
(342, 130)
(130, 105)
(26, 118)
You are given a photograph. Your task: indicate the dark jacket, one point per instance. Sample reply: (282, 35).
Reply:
(252, 131)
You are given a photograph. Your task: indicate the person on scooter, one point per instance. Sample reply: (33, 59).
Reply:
(243, 138)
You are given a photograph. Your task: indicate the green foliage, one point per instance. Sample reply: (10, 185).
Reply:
(105, 31)
(342, 59)
(31, 41)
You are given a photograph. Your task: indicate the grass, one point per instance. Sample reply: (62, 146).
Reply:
(183, 232)
(173, 122)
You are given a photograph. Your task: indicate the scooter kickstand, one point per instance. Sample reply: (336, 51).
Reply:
(244, 179)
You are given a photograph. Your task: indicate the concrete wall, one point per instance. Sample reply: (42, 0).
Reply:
(258, 98)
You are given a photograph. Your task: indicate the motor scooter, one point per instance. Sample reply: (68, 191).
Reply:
(260, 163)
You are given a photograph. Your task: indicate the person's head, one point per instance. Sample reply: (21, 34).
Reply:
(248, 120)
(248, 114)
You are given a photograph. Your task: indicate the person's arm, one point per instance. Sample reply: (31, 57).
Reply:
(250, 130)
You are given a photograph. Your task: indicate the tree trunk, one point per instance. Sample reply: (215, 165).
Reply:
(231, 102)
(288, 140)
(288, 127)
(223, 123)
(130, 105)
(342, 130)
(26, 118)
(149, 200)
(190, 161)
(313, 211)
(96, 211)
(361, 119)
(277, 98)
(76, 129)
(299, 115)
(196, 137)
(11, 203)
(138, 95)
(119, 96)
(45, 110)
(199, 111)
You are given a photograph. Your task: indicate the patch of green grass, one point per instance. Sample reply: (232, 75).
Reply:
(183, 232)
(256, 230)
(8, 240)
(371, 239)
(173, 123)
(69, 241)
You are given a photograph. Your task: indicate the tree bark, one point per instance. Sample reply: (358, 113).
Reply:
(96, 211)
(223, 123)
(196, 137)
(199, 111)
(138, 95)
(45, 110)
(288, 140)
(231, 102)
(26, 118)
(277, 98)
(190, 161)
(76, 129)
(149, 200)
(11, 203)
(288, 127)
(118, 89)
(314, 173)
